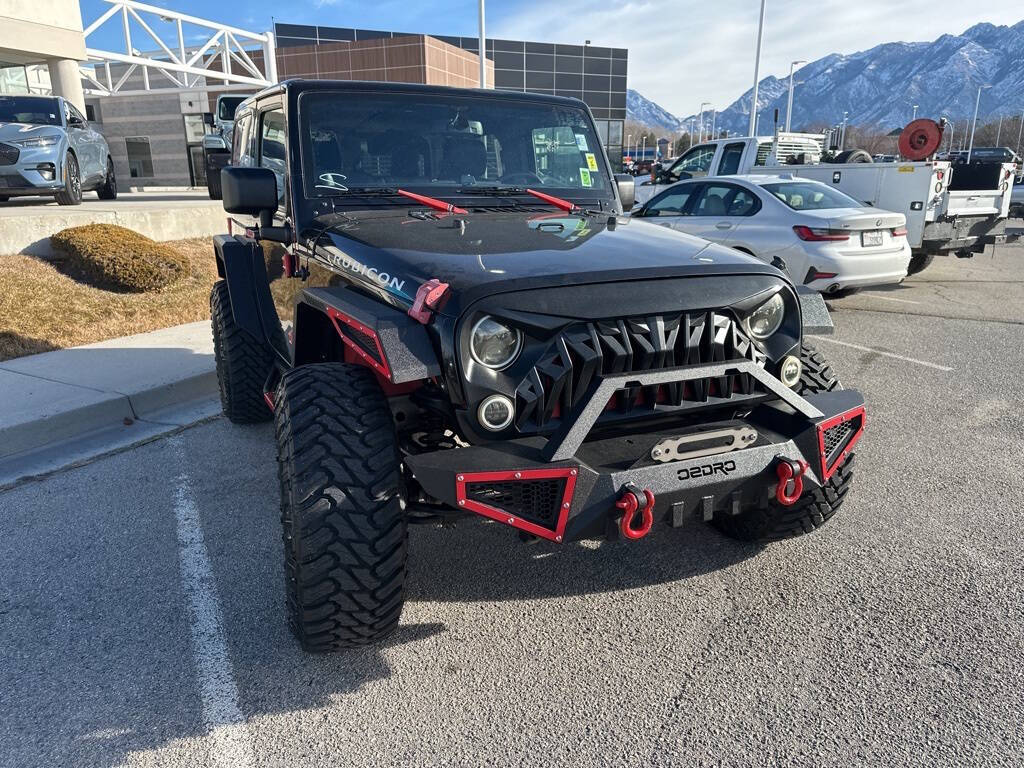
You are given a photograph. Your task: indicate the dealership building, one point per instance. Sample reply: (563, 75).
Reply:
(153, 119)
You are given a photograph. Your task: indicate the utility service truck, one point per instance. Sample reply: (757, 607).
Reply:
(950, 208)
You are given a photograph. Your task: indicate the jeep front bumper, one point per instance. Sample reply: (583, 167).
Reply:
(566, 487)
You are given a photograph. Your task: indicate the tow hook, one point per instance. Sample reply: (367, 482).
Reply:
(789, 471)
(632, 501)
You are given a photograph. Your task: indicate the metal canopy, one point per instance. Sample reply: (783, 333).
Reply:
(225, 59)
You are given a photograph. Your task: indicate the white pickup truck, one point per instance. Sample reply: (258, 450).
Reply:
(949, 208)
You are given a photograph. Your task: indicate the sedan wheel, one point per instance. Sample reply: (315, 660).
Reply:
(72, 192)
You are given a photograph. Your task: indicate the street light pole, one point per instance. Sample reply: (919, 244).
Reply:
(915, 113)
(629, 144)
(974, 124)
(789, 102)
(757, 72)
(713, 113)
(689, 133)
(842, 133)
(999, 130)
(483, 49)
(703, 104)
(1020, 131)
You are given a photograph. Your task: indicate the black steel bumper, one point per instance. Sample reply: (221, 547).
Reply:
(566, 487)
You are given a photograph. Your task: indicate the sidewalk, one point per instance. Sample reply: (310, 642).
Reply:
(64, 406)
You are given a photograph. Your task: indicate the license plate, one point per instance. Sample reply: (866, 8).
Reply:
(868, 239)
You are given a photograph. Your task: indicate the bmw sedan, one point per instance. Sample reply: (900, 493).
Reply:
(47, 147)
(827, 240)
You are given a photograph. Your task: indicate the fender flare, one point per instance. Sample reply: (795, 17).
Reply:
(242, 266)
(814, 312)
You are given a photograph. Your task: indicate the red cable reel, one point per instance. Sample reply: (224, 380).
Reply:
(920, 139)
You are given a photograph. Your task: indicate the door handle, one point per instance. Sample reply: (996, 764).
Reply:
(723, 225)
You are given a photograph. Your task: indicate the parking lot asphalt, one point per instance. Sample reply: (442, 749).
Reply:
(142, 616)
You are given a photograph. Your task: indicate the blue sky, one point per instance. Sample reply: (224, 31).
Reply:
(681, 52)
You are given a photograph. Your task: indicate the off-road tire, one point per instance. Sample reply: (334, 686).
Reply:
(213, 184)
(343, 525)
(772, 521)
(72, 192)
(919, 262)
(109, 189)
(243, 363)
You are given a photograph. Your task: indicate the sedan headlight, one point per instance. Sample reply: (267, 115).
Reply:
(766, 319)
(38, 141)
(493, 344)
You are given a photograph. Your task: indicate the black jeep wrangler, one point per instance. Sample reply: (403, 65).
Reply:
(441, 305)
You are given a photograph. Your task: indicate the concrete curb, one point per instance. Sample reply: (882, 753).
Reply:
(66, 405)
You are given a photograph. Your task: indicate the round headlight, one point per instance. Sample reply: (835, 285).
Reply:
(495, 412)
(493, 343)
(766, 319)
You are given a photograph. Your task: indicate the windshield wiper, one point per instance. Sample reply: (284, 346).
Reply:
(432, 202)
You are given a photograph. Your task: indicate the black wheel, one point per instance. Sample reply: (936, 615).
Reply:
(243, 364)
(72, 192)
(853, 156)
(343, 524)
(919, 262)
(4, 198)
(109, 189)
(771, 521)
(213, 184)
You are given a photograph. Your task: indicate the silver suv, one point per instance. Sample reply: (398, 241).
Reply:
(47, 147)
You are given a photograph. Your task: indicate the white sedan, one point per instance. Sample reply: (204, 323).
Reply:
(828, 241)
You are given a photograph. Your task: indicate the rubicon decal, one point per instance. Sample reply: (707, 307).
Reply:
(705, 470)
(346, 262)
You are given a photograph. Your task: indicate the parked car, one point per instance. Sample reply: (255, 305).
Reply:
(472, 331)
(950, 209)
(1017, 199)
(828, 241)
(217, 143)
(47, 147)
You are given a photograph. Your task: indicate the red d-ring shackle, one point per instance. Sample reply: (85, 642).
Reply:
(629, 503)
(788, 470)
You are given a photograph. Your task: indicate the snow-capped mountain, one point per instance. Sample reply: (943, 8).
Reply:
(645, 111)
(879, 86)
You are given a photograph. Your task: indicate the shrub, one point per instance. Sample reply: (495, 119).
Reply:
(115, 258)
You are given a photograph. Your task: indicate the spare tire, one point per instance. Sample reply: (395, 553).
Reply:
(853, 156)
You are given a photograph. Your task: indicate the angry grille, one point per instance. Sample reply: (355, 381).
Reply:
(538, 501)
(585, 352)
(8, 154)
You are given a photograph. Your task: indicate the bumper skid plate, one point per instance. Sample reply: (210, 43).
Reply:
(566, 487)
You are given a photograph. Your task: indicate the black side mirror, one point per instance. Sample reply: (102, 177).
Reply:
(74, 122)
(627, 190)
(250, 191)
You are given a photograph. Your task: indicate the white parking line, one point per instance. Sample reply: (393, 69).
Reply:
(229, 740)
(925, 363)
(890, 298)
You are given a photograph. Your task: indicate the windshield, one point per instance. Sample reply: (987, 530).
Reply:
(28, 109)
(810, 196)
(227, 106)
(446, 143)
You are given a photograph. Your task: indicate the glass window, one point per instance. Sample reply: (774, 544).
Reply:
(272, 152)
(74, 113)
(241, 152)
(31, 110)
(442, 142)
(730, 162)
(696, 162)
(671, 202)
(615, 132)
(810, 195)
(195, 128)
(227, 105)
(140, 158)
(724, 200)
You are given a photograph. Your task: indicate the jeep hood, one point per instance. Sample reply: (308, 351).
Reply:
(496, 252)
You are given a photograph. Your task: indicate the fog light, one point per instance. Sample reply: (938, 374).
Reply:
(789, 371)
(47, 171)
(495, 412)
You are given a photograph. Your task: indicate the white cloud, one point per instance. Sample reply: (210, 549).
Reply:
(683, 53)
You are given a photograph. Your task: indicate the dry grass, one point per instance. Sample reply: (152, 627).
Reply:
(109, 256)
(42, 308)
